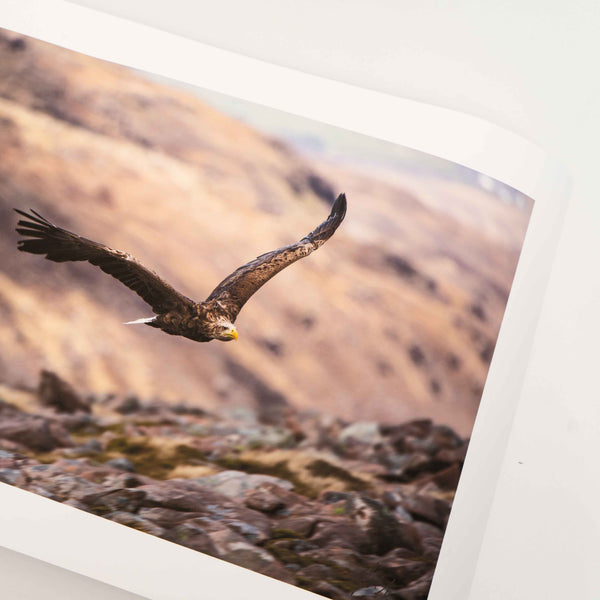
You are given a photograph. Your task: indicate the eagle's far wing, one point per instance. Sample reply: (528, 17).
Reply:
(60, 245)
(234, 291)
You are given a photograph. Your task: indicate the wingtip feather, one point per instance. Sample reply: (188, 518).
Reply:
(338, 210)
(33, 216)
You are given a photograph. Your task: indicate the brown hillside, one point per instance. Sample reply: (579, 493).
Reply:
(395, 317)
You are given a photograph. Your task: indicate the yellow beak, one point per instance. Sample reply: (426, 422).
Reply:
(233, 334)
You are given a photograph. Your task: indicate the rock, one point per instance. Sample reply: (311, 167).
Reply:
(207, 505)
(429, 508)
(448, 478)
(414, 467)
(31, 432)
(54, 392)
(11, 476)
(41, 491)
(76, 504)
(130, 405)
(184, 409)
(264, 500)
(402, 515)
(340, 533)
(11, 446)
(251, 533)
(38, 470)
(350, 570)
(402, 567)
(59, 434)
(316, 572)
(165, 517)
(331, 497)
(165, 496)
(113, 480)
(192, 536)
(290, 552)
(233, 548)
(136, 522)
(198, 429)
(125, 500)
(395, 501)
(233, 484)
(418, 590)
(452, 455)
(382, 529)
(424, 438)
(431, 540)
(296, 526)
(90, 447)
(365, 432)
(7, 456)
(79, 421)
(444, 437)
(59, 484)
(269, 437)
(374, 532)
(419, 428)
(122, 463)
(373, 591)
(8, 410)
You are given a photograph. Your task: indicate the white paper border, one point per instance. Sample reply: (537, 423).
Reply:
(131, 560)
(455, 136)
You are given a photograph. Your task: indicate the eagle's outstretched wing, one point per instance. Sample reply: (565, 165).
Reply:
(233, 292)
(60, 245)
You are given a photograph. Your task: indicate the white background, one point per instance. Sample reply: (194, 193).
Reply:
(531, 67)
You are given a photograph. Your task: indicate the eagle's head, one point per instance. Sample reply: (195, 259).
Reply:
(225, 331)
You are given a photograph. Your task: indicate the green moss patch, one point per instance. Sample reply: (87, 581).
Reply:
(282, 551)
(149, 460)
(322, 468)
(279, 534)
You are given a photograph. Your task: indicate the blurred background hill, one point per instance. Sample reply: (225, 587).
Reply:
(395, 318)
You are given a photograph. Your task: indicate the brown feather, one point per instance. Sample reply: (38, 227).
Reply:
(235, 290)
(60, 245)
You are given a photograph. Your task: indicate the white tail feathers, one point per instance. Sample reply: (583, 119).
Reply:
(137, 321)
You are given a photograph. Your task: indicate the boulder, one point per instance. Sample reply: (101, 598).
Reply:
(60, 395)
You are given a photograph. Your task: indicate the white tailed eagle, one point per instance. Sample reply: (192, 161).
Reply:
(176, 314)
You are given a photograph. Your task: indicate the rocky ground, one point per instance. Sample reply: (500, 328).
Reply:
(346, 510)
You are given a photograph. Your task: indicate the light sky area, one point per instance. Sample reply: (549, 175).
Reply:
(320, 139)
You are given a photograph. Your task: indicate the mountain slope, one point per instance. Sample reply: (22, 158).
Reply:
(395, 317)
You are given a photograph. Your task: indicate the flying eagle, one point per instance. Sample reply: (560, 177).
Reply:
(176, 314)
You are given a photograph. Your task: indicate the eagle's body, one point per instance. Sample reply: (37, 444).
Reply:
(196, 323)
(175, 313)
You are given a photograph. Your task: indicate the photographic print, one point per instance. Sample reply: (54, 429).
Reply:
(322, 443)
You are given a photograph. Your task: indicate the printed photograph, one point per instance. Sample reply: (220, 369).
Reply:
(255, 335)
